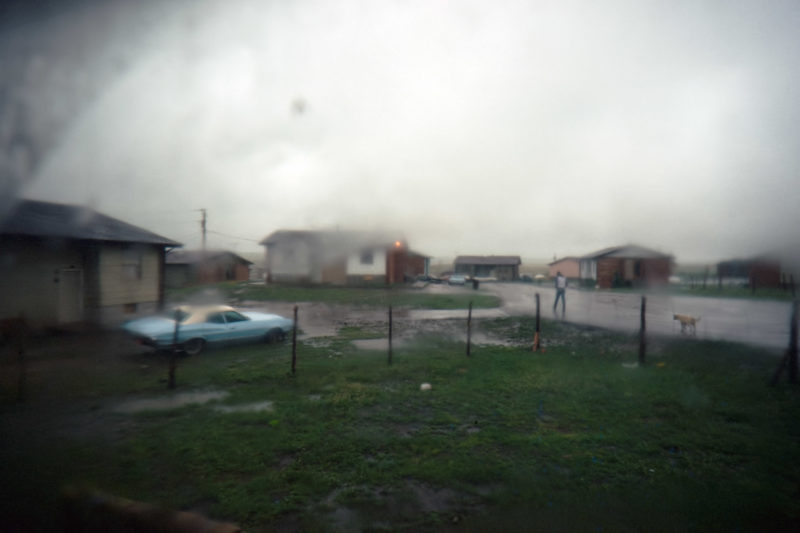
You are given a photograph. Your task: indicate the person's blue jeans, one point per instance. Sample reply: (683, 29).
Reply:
(560, 295)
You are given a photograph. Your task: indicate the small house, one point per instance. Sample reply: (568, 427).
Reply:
(64, 264)
(499, 267)
(195, 267)
(625, 266)
(340, 258)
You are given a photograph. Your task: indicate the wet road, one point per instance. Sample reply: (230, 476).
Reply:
(759, 322)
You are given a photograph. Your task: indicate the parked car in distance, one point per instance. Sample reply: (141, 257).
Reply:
(428, 279)
(199, 326)
(457, 279)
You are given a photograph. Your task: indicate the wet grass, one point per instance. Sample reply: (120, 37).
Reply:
(399, 296)
(572, 439)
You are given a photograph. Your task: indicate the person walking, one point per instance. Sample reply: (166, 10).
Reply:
(561, 288)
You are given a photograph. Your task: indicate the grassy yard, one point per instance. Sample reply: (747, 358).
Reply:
(363, 296)
(573, 439)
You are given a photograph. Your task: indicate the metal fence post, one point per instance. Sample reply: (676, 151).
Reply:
(642, 328)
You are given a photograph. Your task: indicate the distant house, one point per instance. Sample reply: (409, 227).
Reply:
(570, 267)
(625, 266)
(61, 264)
(762, 271)
(500, 267)
(340, 258)
(192, 267)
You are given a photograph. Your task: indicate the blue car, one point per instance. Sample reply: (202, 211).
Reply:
(199, 326)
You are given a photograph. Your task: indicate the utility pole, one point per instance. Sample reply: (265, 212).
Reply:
(203, 227)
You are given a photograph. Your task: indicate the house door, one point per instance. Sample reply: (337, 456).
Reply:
(70, 296)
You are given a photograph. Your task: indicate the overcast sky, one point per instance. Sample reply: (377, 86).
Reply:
(533, 128)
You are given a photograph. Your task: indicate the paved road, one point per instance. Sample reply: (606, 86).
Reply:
(759, 322)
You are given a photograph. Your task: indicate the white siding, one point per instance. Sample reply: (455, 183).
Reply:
(377, 268)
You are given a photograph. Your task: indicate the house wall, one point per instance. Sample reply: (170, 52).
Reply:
(176, 275)
(292, 262)
(60, 282)
(30, 276)
(335, 273)
(632, 271)
(656, 271)
(220, 269)
(129, 278)
(417, 265)
(570, 268)
(765, 274)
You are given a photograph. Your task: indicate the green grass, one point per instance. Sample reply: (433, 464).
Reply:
(572, 439)
(363, 296)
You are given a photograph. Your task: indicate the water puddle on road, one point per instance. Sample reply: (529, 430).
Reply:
(173, 401)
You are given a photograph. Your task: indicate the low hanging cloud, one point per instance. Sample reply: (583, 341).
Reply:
(530, 128)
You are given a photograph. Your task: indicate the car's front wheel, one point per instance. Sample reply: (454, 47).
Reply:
(193, 346)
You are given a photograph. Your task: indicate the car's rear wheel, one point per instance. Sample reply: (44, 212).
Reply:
(275, 335)
(193, 346)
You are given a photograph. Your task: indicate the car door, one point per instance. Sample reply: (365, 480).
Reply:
(239, 326)
(215, 328)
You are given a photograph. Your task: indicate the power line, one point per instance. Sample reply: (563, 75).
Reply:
(234, 236)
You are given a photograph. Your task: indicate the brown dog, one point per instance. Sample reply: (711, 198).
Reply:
(688, 323)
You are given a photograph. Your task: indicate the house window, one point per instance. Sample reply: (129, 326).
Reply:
(367, 257)
(132, 263)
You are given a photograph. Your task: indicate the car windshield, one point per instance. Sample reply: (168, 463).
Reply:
(181, 315)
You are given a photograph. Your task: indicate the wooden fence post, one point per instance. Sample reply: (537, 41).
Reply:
(790, 357)
(536, 337)
(469, 328)
(642, 328)
(173, 357)
(389, 361)
(793, 345)
(294, 342)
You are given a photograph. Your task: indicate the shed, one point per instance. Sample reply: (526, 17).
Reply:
(191, 267)
(62, 264)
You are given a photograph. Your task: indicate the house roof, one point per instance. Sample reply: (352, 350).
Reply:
(45, 219)
(187, 257)
(568, 258)
(629, 251)
(488, 260)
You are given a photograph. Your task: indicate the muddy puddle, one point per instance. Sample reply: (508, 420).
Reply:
(172, 401)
